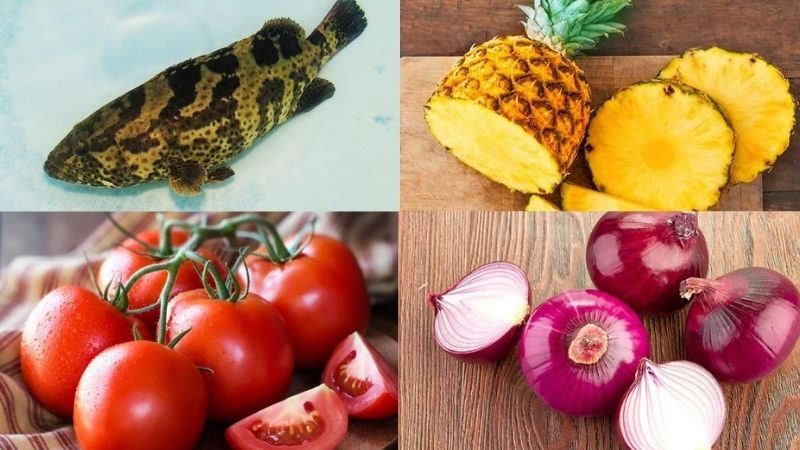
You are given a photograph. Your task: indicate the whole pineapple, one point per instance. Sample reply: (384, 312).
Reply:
(516, 108)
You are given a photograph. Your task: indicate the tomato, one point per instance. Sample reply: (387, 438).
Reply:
(245, 344)
(321, 295)
(312, 420)
(129, 257)
(366, 383)
(65, 330)
(140, 395)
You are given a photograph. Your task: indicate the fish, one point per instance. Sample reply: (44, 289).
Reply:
(188, 122)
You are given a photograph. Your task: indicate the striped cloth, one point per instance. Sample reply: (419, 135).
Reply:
(24, 424)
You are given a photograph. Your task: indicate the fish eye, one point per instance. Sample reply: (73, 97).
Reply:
(80, 151)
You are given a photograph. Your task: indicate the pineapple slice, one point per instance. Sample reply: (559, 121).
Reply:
(513, 109)
(579, 198)
(537, 203)
(753, 95)
(661, 143)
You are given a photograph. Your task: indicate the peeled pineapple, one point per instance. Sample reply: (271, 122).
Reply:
(661, 143)
(537, 203)
(579, 198)
(516, 108)
(753, 95)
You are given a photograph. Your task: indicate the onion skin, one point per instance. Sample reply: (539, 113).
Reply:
(743, 325)
(641, 258)
(499, 347)
(675, 405)
(570, 387)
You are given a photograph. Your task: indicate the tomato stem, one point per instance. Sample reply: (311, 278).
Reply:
(172, 259)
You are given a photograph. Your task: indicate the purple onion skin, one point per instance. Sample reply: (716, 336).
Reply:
(744, 325)
(641, 258)
(580, 389)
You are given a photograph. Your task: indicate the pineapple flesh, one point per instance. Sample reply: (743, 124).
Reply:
(754, 96)
(537, 203)
(513, 109)
(661, 143)
(579, 198)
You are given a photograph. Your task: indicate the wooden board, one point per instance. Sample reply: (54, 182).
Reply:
(433, 179)
(449, 404)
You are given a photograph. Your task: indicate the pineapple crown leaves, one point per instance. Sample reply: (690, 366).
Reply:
(572, 26)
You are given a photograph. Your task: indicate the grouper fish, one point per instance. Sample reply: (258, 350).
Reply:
(187, 123)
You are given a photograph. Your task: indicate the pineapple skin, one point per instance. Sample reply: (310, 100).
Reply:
(745, 168)
(539, 89)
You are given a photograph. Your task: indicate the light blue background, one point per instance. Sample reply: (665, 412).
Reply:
(60, 61)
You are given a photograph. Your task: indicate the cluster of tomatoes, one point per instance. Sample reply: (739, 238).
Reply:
(230, 360)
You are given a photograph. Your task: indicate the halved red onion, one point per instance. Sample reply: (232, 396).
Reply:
(676, 405)
(743, 325)
(579, 351)
(642, 257)
(479, 318)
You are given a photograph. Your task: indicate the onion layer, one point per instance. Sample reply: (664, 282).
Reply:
(479, 318)
(743, 325)
(672, 406)
(579, 351)
(641, 258)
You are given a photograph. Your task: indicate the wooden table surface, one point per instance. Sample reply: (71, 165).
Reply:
(60, 232)
(655, 27)
(452, 404)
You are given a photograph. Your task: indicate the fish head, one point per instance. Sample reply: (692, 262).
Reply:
(80, 158)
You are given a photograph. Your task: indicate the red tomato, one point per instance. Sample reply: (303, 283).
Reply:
(363, 379)
(312, 420)
(126, 259)
(245, 344)
(321, 295)
(140, 395)
(66, 329)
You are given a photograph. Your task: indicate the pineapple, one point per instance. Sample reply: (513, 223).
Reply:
(579, 198)
(753, 95)
(661, 143)
(537, 203)
(516, 108)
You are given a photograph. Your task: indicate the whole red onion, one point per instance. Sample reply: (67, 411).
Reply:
(478, 319)
(580, 349)
(642, 257)
(743, 325)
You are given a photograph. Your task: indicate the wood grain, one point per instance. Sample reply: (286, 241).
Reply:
(450, 404)
(433, 179)
(654, 27)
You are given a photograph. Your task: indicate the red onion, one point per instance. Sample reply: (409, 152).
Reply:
(677, 405)
(579, 351)
(742, 325)
(641, 258)
(479, 318)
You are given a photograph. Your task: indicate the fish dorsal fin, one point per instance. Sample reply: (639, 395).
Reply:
(277, 27)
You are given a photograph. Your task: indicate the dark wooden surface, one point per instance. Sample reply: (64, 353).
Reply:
(450, 404)
(60, 232)
(655, 27)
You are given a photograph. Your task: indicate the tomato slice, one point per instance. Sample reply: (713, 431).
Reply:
(312, 420)
(363, 379)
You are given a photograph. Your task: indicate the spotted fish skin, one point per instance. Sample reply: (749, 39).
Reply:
(187, 123)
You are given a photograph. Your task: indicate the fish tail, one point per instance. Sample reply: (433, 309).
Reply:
(343, 24)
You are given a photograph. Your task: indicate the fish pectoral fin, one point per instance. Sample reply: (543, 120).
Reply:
(315, 93)
(277, 27)
(219, 174)
(186, 177)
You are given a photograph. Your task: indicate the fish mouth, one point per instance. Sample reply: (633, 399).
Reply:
(53, 169)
